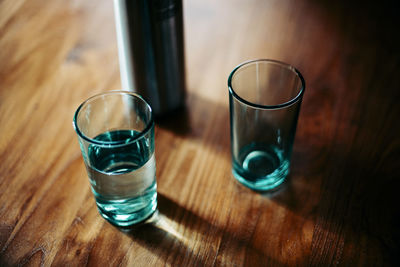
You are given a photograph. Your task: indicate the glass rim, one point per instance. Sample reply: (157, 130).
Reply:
(270, 61)
(149, 125)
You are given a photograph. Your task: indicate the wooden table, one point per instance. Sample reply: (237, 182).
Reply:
(340, 205)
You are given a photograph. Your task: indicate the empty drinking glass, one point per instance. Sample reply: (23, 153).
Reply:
(265, 98)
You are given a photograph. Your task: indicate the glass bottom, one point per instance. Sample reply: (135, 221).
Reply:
(261, 167)
(130, 211)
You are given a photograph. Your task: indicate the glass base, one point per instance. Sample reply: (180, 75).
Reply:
(261, 168)
(127, 212)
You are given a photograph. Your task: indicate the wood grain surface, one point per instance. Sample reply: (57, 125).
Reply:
(339, 206)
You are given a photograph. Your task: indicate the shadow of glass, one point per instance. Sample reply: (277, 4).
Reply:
(159, 237)
(165, 237)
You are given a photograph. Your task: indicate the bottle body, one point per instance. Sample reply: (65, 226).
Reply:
(151, 51)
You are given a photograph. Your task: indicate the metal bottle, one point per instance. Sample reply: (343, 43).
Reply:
(151, 51)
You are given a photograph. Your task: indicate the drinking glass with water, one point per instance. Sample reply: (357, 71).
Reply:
(116, 136)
